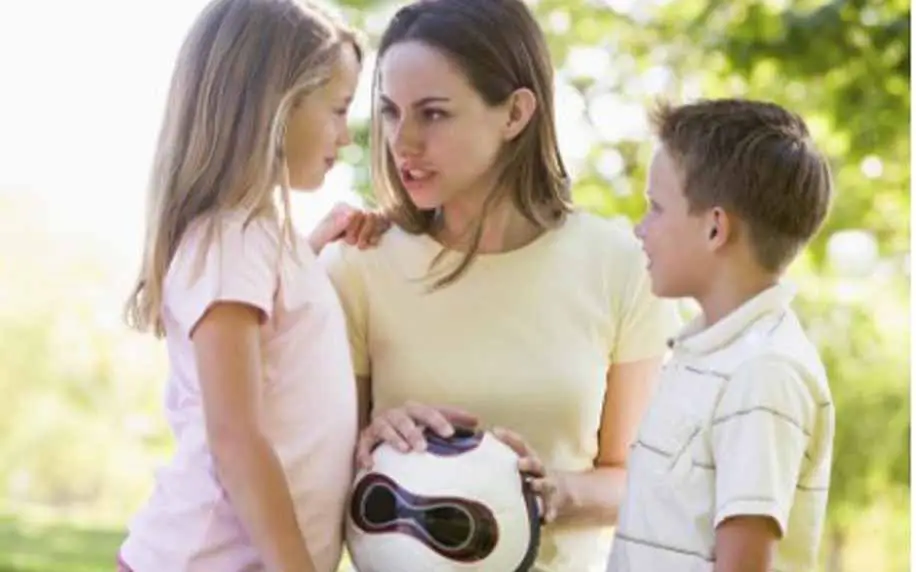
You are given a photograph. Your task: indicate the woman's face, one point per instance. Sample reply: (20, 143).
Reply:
(442, 134)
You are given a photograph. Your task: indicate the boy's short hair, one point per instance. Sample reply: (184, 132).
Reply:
(757, 161)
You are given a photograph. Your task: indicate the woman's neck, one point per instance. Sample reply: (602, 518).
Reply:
(504, 229)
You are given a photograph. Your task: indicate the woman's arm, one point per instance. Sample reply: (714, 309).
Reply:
(227, 347)
(594, 496)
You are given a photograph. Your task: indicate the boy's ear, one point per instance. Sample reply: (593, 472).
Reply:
(719, 228)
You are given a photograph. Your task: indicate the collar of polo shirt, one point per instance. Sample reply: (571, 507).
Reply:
(695, 338)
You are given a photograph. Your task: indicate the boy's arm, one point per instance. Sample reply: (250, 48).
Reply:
(746, 544)
(760, 432)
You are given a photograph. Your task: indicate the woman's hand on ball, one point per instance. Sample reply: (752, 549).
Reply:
(546, 484)
(402, 428)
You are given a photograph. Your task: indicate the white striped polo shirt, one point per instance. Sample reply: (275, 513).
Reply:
(742, 424)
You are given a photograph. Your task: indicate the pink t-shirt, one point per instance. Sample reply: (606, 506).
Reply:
(309, 398)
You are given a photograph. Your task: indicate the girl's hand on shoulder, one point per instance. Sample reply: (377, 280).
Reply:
(363, 228)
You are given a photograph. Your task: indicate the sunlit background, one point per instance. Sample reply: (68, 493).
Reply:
(82, 93)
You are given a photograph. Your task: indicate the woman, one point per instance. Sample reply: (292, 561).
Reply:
(492, 299)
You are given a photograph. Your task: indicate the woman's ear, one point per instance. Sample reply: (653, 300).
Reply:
(521, 107)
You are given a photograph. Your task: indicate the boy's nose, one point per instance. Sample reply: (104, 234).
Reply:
(639, 230)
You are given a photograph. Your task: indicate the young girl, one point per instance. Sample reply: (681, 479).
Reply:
(492, 294)
(260, 395)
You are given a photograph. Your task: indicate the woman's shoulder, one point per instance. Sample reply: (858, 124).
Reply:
(605, 237)
(396, 246)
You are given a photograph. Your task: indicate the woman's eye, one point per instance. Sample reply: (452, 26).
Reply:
(434, 114)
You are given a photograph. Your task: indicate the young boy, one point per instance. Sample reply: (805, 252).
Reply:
(731, 465)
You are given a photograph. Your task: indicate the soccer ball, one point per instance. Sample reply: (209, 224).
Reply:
(460, 505)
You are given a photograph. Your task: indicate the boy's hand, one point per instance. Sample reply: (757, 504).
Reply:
(362, 228)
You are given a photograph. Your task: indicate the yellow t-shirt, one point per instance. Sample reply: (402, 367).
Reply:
(524, 340)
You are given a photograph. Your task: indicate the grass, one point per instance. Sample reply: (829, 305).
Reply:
(878, 540)
(44, 545)
(27, 546)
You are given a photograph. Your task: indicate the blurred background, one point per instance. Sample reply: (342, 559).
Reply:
(81, 429)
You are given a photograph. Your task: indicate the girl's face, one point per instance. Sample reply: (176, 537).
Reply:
(317, 126)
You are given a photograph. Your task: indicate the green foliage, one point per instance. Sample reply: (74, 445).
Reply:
(860, 343)
(81, 420)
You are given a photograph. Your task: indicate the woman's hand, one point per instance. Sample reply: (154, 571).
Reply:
(548, 485)
(354, 226)
(403, 427)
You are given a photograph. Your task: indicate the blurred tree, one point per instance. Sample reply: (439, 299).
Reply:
(81, 395)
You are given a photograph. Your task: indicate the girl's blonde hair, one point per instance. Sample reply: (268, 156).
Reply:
(243, 66)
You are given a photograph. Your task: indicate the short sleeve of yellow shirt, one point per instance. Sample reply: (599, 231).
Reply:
(524, 339)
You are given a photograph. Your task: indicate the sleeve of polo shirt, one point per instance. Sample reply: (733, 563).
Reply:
(760, 434)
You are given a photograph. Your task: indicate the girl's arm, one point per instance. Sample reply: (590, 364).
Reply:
(227, 347)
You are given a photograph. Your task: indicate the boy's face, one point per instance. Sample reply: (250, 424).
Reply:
(674, 240)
